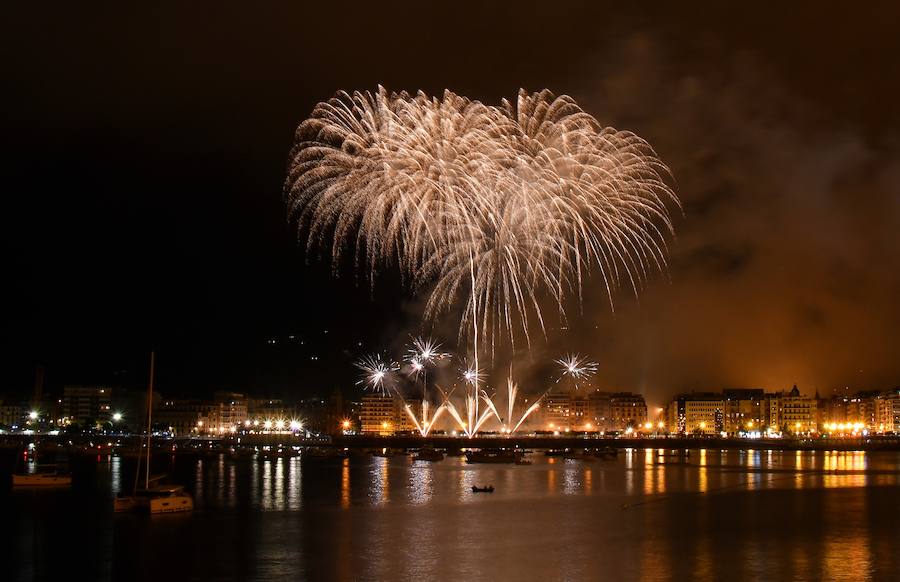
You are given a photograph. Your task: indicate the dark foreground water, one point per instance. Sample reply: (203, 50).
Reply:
(725, 515)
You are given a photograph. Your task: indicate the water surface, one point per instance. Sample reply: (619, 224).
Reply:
(736, 515)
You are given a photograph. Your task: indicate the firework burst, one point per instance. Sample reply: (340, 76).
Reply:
(502, 207)
(425, 351)
(376, 373)
(577, 366)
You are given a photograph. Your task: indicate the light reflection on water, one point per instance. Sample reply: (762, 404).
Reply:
(115, 471)
(722, 514)
(421, 488)
(345, 484)
(703, 485)
(572, 477)
(379, 492)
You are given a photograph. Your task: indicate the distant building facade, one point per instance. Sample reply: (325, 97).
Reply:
(556, 411)
(378, 415)
(743, 410)
(184, 416)
(87, 405)
(791, 412)
(11, 416)
(704, 414)
(627, 410)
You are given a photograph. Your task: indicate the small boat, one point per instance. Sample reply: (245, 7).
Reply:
(500, 456)
(580, 456)
(48, 479)
(488, 489)
(522, 461)
(430, 455)
(556, 452)
(608, 453)
(324, 453)
(156, 500)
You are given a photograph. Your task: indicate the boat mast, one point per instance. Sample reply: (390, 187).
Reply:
(149, 417)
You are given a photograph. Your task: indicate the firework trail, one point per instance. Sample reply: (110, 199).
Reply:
(502, 206)
(425, 424)
(470, 419)
(511, 391)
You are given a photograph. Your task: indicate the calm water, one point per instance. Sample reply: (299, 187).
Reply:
(733, 515)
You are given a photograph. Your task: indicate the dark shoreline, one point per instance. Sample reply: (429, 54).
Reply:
(869, 443)
(837, 444)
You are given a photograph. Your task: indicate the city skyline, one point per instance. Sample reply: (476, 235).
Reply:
(400, 290)
(780, 272)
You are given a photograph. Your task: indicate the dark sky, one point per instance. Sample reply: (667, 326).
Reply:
(145, 152)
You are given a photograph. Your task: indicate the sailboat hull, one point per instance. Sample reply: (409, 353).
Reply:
(174, 504)
(39, 480)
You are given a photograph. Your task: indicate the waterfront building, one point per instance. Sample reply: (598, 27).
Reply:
(895, 406)
(704, 413)
(261, 409)
(87, 405)
(627, 410)
(11, 416)
(866, 402)
(579, 414)
(743, 410)
(791, 412)
(887, 409)
(674, 414)
(377, 415)
(185, 416)
(228, 414)
(556, 411)
(599, 409)
(839, 410)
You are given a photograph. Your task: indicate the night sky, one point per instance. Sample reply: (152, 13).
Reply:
(145, 153)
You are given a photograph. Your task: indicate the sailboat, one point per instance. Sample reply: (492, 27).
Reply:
(155, 498)
(44, 475)
(42, 478)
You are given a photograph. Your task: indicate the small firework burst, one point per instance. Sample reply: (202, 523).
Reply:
(577, 366)
(426, 351)
(375, 373)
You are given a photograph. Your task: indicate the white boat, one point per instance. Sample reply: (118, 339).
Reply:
(159, 498)
(42, 480)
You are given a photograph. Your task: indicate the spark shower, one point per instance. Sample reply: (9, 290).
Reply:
(500, 210)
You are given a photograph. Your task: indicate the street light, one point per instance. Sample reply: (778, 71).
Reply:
(33, 415)
(117, 416)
